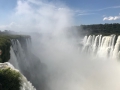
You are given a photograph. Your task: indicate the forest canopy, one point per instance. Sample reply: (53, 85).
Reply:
(104, 29)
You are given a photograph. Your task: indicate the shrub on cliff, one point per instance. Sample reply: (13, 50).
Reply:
(10, 79)
(5, 43)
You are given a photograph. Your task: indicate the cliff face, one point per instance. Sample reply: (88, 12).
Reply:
(17, 50)
(11, 78)
(22, 58)
(5, 43)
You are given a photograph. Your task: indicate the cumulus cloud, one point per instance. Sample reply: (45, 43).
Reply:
(110, 18)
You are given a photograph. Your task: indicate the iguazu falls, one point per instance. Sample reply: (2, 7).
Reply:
(59, 45)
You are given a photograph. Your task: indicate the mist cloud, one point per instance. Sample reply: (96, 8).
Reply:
(36, 15)
(67, 69)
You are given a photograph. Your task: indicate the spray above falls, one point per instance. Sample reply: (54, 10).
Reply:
(65, 67)
(92, 67)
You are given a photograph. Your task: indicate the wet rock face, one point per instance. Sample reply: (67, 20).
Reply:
(23, 58)
(5, 43)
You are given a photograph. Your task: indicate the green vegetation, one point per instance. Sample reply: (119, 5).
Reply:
(5, 44)
(10, 79)
(5, 48)
(104, 29)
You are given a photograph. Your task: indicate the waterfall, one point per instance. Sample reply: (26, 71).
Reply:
(30, 66)
(23, 59)
(13, 59)
(17, 55)
(17, 59)
(102, 46)
(116, 50)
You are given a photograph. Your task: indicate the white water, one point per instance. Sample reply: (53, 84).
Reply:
(102, 46)
(13, 59)
(27, 63)
(72, 71)
(17, 55)
(68, 69)
(17, 59)
(25, 84)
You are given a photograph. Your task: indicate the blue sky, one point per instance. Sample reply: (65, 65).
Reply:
(85, 11)
(94, 11)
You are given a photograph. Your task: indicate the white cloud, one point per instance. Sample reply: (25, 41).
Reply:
(35, 15)
(110, 18)
(23, 7)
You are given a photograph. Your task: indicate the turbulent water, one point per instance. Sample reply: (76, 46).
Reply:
(25, 84)
(102, 46)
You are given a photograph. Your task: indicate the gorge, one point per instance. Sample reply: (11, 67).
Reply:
(60, 63)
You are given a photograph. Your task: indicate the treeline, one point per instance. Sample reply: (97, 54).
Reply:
(104, 29)
(6, 32)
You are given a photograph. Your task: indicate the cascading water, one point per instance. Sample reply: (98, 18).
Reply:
(24, 60)
(69, 69)
(13, 59)
(25, 85)
(19, 56)
(102, 46)
(16, 59)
